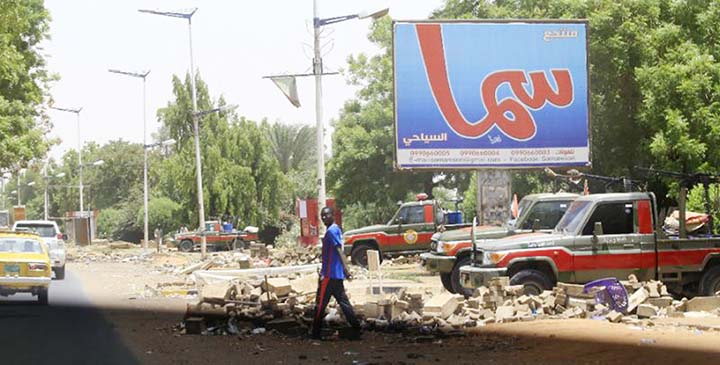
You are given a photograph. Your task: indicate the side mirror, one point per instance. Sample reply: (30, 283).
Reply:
(400, 220)
(64, 237)
(399, 203)
(536, 225)
(597, 231)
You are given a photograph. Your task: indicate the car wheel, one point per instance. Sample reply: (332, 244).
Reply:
(186, 246)
(60, 273)
(455, 277)
(710, 282)
(534, 281)
(359, 255)
(43, 296)
(446, 279)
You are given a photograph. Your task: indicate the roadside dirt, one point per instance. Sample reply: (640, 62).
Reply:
(148, 327)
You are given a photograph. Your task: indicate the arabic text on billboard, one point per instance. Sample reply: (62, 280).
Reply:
(488, 94)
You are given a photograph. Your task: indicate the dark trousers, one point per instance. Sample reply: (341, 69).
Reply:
(336, 289)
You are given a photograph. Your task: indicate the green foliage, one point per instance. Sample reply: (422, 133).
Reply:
(118, 223)
(294, 146)
(162, 213)
(696, 201)
(241, 175)
(23, 82)
(358, 215)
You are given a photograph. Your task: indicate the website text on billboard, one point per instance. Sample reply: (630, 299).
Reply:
(491, 94)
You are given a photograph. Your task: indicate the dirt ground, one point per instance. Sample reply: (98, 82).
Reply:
(148, 327)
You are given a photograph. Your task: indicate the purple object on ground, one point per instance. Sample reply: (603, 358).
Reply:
(613, 295)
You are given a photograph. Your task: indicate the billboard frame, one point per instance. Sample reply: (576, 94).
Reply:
(585, 22)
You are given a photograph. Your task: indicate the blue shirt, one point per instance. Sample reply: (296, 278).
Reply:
(332, 266)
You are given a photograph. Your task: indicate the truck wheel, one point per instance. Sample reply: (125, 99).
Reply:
(535, 281)
(359, 255)
(455, 277)
(43, 296)
(446, 279)
(186, 246)
(710, 282)
(60, 273)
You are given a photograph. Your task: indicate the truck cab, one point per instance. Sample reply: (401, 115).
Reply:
(601, 235)
(452, 250)
(409, 231)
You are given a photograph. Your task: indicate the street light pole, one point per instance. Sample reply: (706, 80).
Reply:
(319, 126)
(77, 113)
(142, 75)
(198, 163)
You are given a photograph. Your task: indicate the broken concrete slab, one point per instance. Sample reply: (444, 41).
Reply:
(442, 305)
(646, 311)
(306, 284)
(661, 302)
(504, 312)
(706, 304)
(614, 317)
(637, 298)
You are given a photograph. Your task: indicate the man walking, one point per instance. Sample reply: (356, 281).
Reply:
(334, 271)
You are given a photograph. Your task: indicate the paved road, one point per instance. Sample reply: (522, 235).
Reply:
(68, 331)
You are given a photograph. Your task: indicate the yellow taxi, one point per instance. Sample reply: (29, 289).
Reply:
(24, 265)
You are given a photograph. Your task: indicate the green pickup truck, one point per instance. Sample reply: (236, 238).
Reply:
(408, 232)
(602, 235)
(451, 250)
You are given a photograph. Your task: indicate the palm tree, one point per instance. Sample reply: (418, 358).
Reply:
(293, 145)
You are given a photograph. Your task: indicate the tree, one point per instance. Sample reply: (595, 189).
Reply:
(360, 172)
(293, 145)
(241, 175)
(23, 82)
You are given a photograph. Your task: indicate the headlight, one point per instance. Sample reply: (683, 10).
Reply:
(492, 258)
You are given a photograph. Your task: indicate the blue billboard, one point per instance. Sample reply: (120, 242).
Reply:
(491, 94)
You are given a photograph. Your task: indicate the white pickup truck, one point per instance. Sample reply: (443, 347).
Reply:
(53, 238)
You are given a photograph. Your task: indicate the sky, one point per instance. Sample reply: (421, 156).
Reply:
(235, 44)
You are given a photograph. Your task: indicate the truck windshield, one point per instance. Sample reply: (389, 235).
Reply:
(44, 230)
(522, 208)
(18, 245)
(573, 217)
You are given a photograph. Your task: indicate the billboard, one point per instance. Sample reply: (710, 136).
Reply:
(491, 94)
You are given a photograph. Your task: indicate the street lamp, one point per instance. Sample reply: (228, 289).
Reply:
(187, 14)
(143, 76)
(318, 72)
(80, 164)
(46, 195)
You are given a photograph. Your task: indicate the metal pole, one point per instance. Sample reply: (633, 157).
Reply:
(145, 174)
(317, 70)
(82, 207)
(201, 204)
(47, 181)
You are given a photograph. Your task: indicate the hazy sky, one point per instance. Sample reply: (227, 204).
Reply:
(235, 43)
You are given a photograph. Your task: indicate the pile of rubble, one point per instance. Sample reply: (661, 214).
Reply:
(108, 253)
(286, 304)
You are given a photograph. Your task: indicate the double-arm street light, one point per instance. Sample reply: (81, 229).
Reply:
(143, 76)
(187, 14)
(80, 164)
(46, 194)
(318, 23)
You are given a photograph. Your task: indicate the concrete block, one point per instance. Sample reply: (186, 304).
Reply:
(646, 311)
(214, 292)
(585, 304)
(442, 305)
(652, 288)
(373, 310)
(707, 304)
(473, 303)
(573, 290)
(504, 313)
(514, 290)
(637, 298)
(278, 286)
(614, 317)
(524, 299)
(305, 285)
(662, 302)
(561, 299)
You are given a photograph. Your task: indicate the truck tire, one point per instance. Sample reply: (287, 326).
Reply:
(710, 282)
(186, 246)
(445, 278)
(43, 296)
(455, 277)
(534, 281)
(60, 273)
(358, 256)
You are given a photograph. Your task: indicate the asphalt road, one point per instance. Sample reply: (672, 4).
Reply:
(68, 331)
